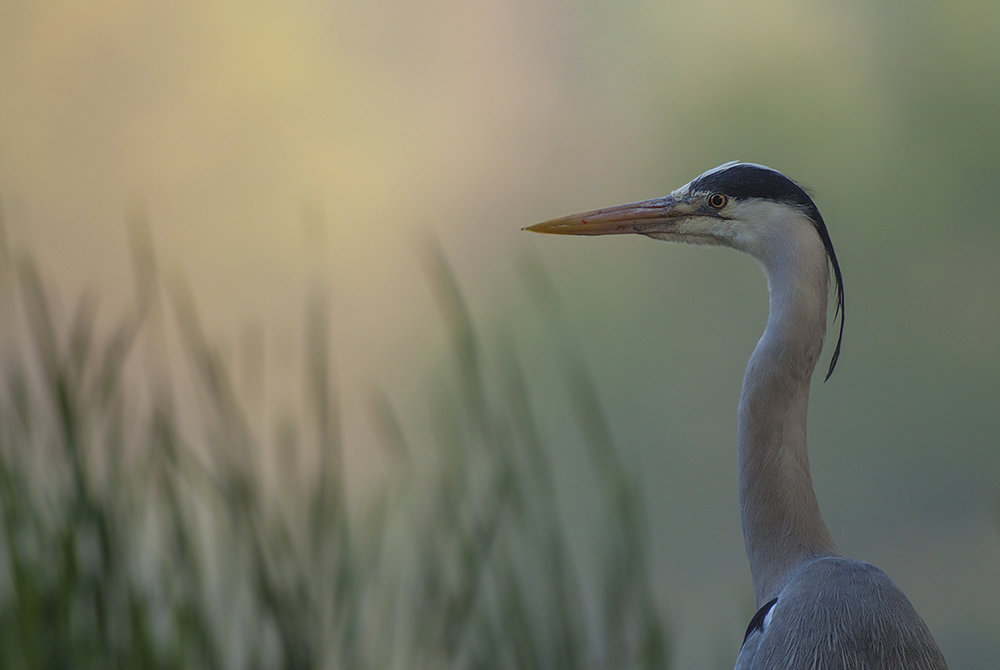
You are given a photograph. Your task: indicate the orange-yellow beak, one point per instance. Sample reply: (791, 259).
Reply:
(647, 216)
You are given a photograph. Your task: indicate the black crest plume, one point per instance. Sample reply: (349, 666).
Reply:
(747, 180)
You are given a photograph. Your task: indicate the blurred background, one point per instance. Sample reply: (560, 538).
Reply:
(321, 202)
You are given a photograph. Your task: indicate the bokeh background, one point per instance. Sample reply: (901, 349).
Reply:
(280, 150)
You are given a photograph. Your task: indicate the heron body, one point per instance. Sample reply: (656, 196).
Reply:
(818, 610)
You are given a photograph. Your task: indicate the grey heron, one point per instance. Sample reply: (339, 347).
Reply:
(817, 609)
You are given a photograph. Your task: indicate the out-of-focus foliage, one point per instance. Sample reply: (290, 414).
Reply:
(132, 540)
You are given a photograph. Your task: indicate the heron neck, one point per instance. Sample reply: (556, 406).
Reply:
(782, 526)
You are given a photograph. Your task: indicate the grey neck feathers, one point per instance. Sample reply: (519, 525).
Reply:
(782, 526)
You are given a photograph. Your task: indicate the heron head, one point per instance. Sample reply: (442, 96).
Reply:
(746, 206)
(731, 205)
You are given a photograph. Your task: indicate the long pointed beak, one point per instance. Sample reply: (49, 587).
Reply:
(637, 217)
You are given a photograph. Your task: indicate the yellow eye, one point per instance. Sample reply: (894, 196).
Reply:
(717, 200)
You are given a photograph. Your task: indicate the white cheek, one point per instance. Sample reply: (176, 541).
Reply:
(724, 229)
(715, 230)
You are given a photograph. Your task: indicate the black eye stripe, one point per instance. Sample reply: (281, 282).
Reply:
(746, 180)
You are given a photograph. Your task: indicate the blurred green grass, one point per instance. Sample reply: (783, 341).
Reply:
(131, 539)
